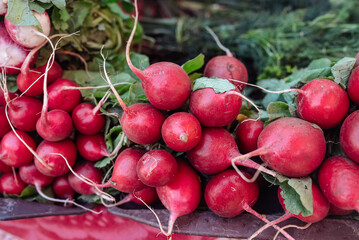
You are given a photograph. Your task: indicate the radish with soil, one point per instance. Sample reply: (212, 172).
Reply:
(156, 168)
(338, 178)
(181, 131)
(320, 210)
(228, 195)
(166, 85)
(349, 136)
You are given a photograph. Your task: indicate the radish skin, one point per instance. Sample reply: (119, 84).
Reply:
(349, 136)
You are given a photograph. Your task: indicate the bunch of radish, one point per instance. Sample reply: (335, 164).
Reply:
(182, 145)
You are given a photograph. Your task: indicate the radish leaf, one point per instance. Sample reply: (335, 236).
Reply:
(194, 64)
(219, 85)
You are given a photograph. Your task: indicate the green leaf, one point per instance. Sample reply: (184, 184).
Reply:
(20, 13)
(90, 198)
(36, 7)
(219, 85)
(342, 69)
(28, 191)
(81, 10)
(319, 63)
(277, 110)
(297, 193)
(194, 64)
(59, 18)
(61, 4)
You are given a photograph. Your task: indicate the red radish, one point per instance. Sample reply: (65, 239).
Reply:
(214, 153)
(142, 123)
(91, 147)
(24, 112)
(31, 176)
(227, 67)
(2, 97)
(13, 152)
(3, 7)
(27, 36)
(182, 195)
(247, 133)
(146, 196)
(323, 102)
(11, 184)
(54, 73)
(4, 124)
(166, 85)
(357, 60)
(228, 195)
(87, 119)
(5, 168)
(320, 210)
(124, 176)
(156, 168)
(50, 153)
(333, 210)
(62, 188)
(215, 109)
(290, 146)
(181, 131)
(64, 99)
(353, 85)
(338, 178)
(12, 55)
(89, 171)
(349, 136)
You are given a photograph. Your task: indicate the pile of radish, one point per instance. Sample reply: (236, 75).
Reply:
(193, 139)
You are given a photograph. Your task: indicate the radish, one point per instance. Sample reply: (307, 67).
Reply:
(353, 85)
(166, 85)
(156, 168)
(27, 36)
(214, 153)
(290, 146)
(226, 67)
(31, 176)
(13, 152)
(87, 119)
(5, 168)
(142, 123)
(323, 102)
(51, 153)
(64, 99)
(88, 171)
(54, 73)
(338, 178)
(320, 210)
(3, 8)
(2, 96)
(91, 147)
(215, 109)
(146, 196)
(333, 210)
(124, 176)
(181, 131)
(12, 55)
(62, 188)
(4, 124)
(11, 184)
(349, 136)
(247, 133)
(182, 195)
(228, 195)
(24, 112)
